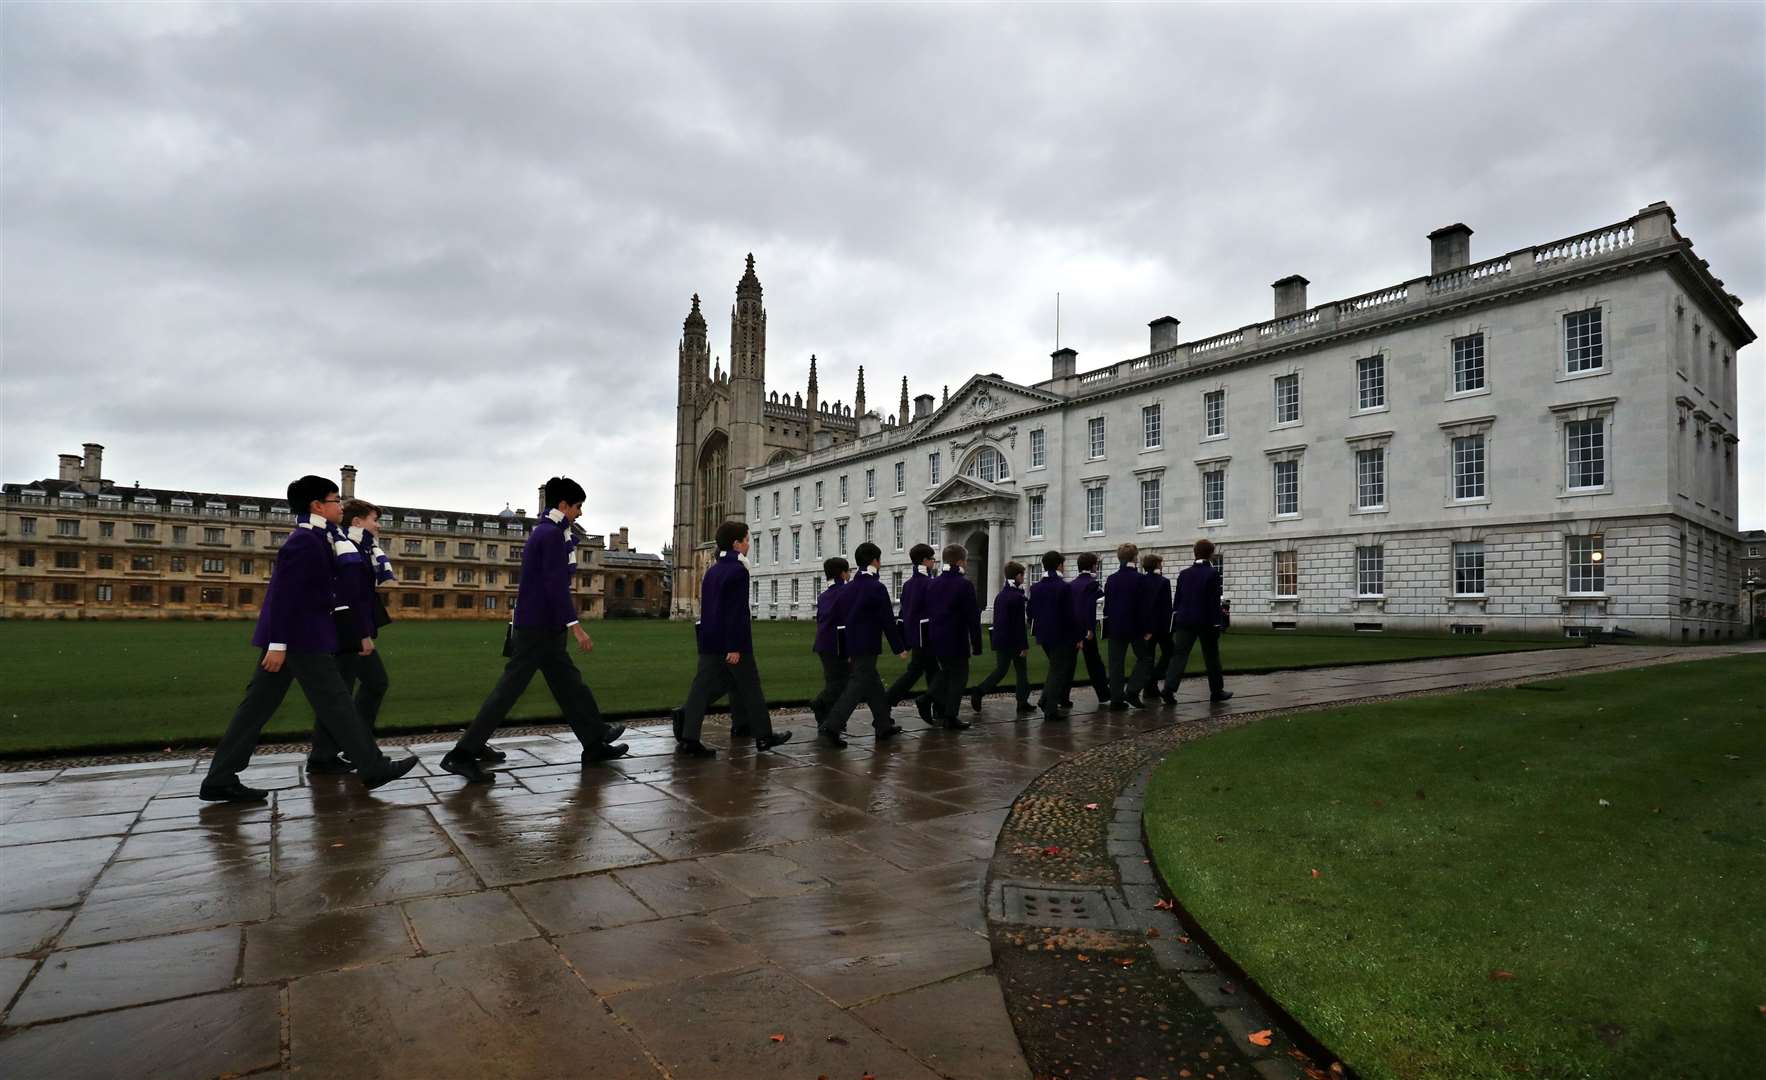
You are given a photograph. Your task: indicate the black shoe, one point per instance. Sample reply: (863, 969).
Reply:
(957, 725)
(831, 738)
(1116, 706)
(1222, 696)
(1068, 704)
(492, 755)
(679, 716)
(924, 706)
(1168, 697)
(690, 748)
(389, 772)
(1135, 702)
(467, 767)
(890, 732)
(767, 742)
(231, 792)
(594, 755)
(1025, 708)
(975, 700)
(334, 766)
(614, 731)
(1049, 715)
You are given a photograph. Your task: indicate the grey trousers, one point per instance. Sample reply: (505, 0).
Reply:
(1054, 685)
(863, 686)
(946, 689)
(835, 675)
(1134, 681)
(1002, 660)
(1184, 637)
(366, 677)
(1095, 674)
(741, 681)
(332, 709)
(920, 662)
(541, 652)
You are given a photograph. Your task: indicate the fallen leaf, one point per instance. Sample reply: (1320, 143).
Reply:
(1152, 931)
(1315, 873)
(338, 844)
(776, 1038)
(1126, 961)
(1259, 1038)
(1162, 905)
(1051, 850)
(1184, 938)
(1501, 976)
(1084, 959)
(1091, 806)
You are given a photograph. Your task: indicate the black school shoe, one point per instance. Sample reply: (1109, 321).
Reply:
(468, 767)
(689, 748)
(924, 706)
(831, 738)
(767, 742)
(1025, 708)
(389, 772)
(594, 755)
(890, 732)
(1222, 696)
(492, 755)
(975, 700)
(679, 716)
(333, 766)
(231, 792)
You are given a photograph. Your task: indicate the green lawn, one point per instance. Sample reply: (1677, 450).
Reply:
(68, 685)
(1564, 880)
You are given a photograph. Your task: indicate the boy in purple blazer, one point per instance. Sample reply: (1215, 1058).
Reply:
(1084, 590)
(1011, 640)
(299, 637)
(358, 625)
(953, 632)
(827, 640)
(544, 615)
(1158, 617)
(1196, 613)
(726, 652)
(864, 619)
(1124, 598)
(1051, 621)
(913, 625)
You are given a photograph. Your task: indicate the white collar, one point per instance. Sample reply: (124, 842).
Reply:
(1014, 585)
(1201, 562)
(948, 568)
(555, 516)
(871, 570)
(356, 533)
(920, 568)
(1051, 573)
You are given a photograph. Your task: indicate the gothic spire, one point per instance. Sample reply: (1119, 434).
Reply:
(695, 321)
(903, 414)
(812, 376)
(858, 399)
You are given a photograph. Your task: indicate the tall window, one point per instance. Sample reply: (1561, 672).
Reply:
(1151, 496)
(1468, 363)
(1033, 525)
(214, 566)
(1370, 571)
(1094, 437)
(899, 524)
(773, 592)
(1370, 382)
(870, 483)
(713, 486)
(796, 584)
(1214, 413)
(840, 537)
(1214, 496)
(797, 498)
(67, 527)
(870, 527)
(817, 532)
(933, 466)
(1468, 467)
(1370, 479)
(796, 545)
(1585, 454)
(1039, 448)
(1583, 345)
(139, 531)
(1586, 562)
(775, 547)
(756, 507)
(989, 465)
(819, 486)
(1287, 487)
(843, 490)
(1468, 569)
(1287, 399)
(1152, 428)
(1287, 573)
(1094, 509)
(901, 477)
(775, 504)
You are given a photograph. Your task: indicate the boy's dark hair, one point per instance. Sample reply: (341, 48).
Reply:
(1052, 560)
(1087, 562)
(1014, 570)
(954, 554)
(1204, 549)
(919, 553)
(866, 554)
(834, 567)
(562, 489)
(1126, 552)
(730, 533)
(358, 508)
(1151, 562)
(308, 490)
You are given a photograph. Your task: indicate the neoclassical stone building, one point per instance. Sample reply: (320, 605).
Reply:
(1544, 441)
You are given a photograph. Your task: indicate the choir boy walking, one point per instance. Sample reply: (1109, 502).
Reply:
(863, 618)
(1125, 598)
(1084, 590)
(298, 635)
(1011, 644)
(1197, 617)
(544, 616)
(913, 625)
(1158, 619)
(1050, 605)
(952, 615)
(827, 641)
(359, 615)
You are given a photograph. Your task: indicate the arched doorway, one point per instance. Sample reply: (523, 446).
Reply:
(977, 568)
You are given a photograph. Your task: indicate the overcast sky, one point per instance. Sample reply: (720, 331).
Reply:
(453, 245)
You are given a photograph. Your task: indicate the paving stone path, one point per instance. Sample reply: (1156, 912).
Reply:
(801, 913)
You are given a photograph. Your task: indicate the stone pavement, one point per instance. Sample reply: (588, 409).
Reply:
(799, 913)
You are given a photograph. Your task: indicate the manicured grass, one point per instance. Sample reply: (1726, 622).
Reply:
(1561, 880)
(69, 685)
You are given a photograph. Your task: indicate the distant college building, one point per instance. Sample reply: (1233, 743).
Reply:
(1544, 441)
(81, 546)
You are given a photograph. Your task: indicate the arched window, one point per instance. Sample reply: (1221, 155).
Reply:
(638, 589)
(714, 482)
(619, 587)
(988, 464)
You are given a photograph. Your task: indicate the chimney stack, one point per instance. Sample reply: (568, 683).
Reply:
(923, 405)
(1164, 333)
(70, 468)
(1066, 362)
(624, 543)
(1290, 296)
(348, 489)
(1450, 248)
(93, 468)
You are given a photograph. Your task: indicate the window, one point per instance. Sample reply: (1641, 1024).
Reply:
(1214, 496)
(895, 583)
(67, 527)
(105, 593)
(412, 573)
(843, 491)
(29, 558)
(816, 532)
(467, 550)
(1287, 488)
(870, 527)
(1151, 497)
(107, 528)
(107, 561)
(1033, 525)
(1585, 454)
(214, 566)
(1094, 510)
(437, 601)
(410, 599)
(1468, 569)
(870, 483)
(840, 537)
(490, 577)
(1468, 467)
(67, 560)
(177, 594)
(1370, 571)
(141, 562)
(246, 566)
(795, 586)
(1287, 573)
(441, 548)
(141, 594)
(27, 526)
(1214, 414)
(1753, 551)
(1039, 448)
(756, 509)
(463, 602)
(1152, 428)
(1370, 382)
(438, 574)
(464, 576)
(638, 589)
(757, 594)
(490, 550)
(247, 537)
(1468, 363)
(177, 564)
(1370, 479)
(797, 498)
(212, 596)
(901, 477)
(1287, 399)
(214, 536)
(24, 591)
(64, 591)
(900, 528)
(933, 464)
(773, 591)
(490, 603)
(245, 597)
(619, 587)
(1583, 350)
(990, 465)
(180, 534)
(796, 545)
(413, 547)
(1094, 437)
(819, 485)
(775, 542)
(775, 504)
(1586, 561)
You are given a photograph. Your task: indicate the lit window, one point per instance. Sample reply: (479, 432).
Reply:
(1586, 562)
(1287, 573)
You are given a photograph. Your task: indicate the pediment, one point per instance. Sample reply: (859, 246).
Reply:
(985, 400)
(967, 489)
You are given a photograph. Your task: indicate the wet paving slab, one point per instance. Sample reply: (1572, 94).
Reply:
(655, 915)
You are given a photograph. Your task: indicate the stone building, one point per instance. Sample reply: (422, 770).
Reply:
(633, 583)
(82, 546)
(1540, 442)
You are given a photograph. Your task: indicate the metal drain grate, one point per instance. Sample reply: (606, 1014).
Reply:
(1057, 907)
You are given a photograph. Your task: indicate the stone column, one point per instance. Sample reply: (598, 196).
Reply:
(995, 560)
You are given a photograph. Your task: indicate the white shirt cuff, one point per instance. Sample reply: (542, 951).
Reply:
(571, 623)
(277, 646)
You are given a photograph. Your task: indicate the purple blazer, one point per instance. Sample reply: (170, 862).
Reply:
(1051, 612)
(1156, 613)
(827, 642)
(1009, 632)
(1198, 596)
(954, 616)
(1122, 604)
(723, 607)
(1084, 593)
(355, 588)
(865, 617)
(913, 603)
(298, 605)
(543, 600)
